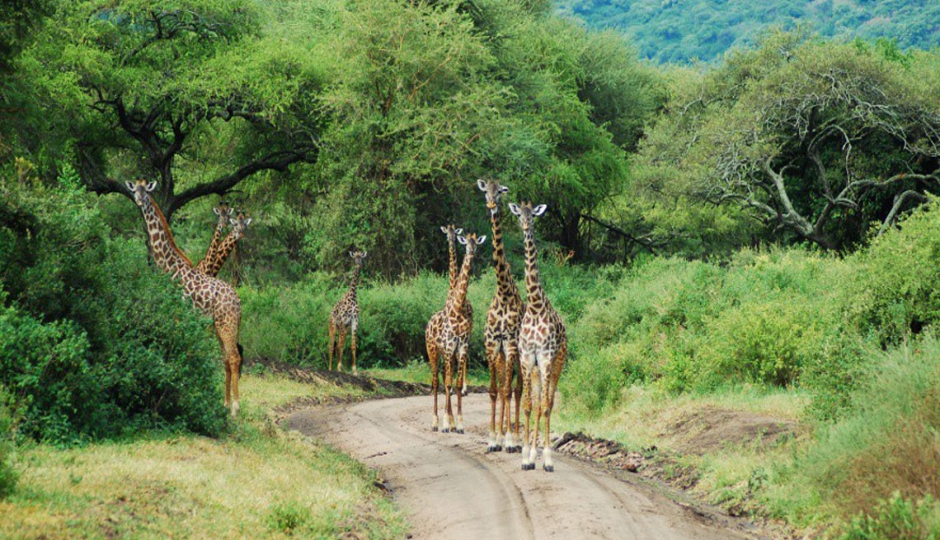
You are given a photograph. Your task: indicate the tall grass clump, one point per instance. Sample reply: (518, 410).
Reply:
(94, 341)
(888, 443)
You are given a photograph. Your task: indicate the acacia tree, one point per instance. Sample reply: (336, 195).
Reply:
(808, 137)
(152, 79)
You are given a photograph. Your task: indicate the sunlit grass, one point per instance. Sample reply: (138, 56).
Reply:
(419, 371)
(255, 482)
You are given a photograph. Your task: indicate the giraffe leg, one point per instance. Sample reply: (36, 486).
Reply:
(448, 382)
(332, 341)
(355, 327)
(492, 445)
(527, 363)
(463, 376)
(510, 365)
(339, 348)
(536, 397)
(515, 370)
(551, 376)
(234, 362)
(435, 379)
(461, 382)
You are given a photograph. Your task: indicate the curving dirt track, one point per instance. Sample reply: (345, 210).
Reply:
(450, 488)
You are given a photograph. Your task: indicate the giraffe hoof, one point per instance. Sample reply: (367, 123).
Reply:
(458, 431)
(549, 468)
(434, 428)
(497, 448)
(445, 430)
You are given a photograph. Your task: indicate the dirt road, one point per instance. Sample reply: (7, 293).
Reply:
(450, 488)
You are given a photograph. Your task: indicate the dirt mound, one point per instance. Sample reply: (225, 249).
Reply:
(709, 430)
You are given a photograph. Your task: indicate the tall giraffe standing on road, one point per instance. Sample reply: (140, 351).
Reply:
(452, 234)
(211, 296)
(542, 345)
(345, 316)
(501, 334)
(447, 337)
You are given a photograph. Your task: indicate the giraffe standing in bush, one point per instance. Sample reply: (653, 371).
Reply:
(452, 234)
(345, 316)
(542, 345)
(224, 213)
(447, 337)
(211, 296)
(501, 334)
(211, 265)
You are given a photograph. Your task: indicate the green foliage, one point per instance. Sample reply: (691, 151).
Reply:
(94, 341)
(896, 518)
(683, 31)
(8, 475)
(288, 517)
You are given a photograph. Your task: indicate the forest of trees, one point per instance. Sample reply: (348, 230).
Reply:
(687, 30)
(707, 226)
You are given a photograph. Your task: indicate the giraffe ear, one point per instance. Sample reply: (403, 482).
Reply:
(443, 229)
(539, 210)
(247, 222)
(514, 208)
(503, 189)
(364, 254)
(462, 240)
(151, 185)
(458, 231)
(352, 253)
(481, 184)
(130, 186)
(481, 239)
(216, 211)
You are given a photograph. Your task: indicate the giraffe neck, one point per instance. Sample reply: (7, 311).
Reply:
(505, 285)
(533, 285)
(221, 253)
(354, 283)
(216, 237)
(463, 280)
(166, 254)
(452, 266)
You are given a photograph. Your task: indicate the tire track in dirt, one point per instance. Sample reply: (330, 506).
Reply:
(449, 487)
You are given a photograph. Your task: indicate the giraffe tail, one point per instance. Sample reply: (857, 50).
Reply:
(241, 358)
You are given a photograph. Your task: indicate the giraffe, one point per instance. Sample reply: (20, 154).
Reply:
(224, 213)
(501, 334)
(452, 234)
(211, 296)
(448, 334)
(211, 265)
(345, 316)
(542, 345)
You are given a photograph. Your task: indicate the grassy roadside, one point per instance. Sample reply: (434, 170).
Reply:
(255, 482)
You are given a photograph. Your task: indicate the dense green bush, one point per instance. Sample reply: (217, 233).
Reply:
(8, 475)
(93, 340)
(896, 518)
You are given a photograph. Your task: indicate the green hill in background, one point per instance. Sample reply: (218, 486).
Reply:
(683, 30)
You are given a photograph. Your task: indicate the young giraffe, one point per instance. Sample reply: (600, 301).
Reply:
(345, 316)
(452, 234)
(211, 265)
(224, 213)
(213, 297)
(448, 334)
(542, 345)
(501, 334)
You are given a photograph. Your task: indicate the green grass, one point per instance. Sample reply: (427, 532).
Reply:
(254, 482)
(419, 371)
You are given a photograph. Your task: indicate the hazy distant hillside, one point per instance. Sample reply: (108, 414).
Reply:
(681, 30)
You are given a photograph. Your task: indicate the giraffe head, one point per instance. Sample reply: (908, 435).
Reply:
(493, 190)
(239, 223)
(357, 256)
(471, 242)
(527, 214)
(224, 211)
(451, 232)
(139, 189)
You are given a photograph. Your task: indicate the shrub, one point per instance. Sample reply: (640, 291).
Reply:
(95, 341)
(896, 518)
(8, 476)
